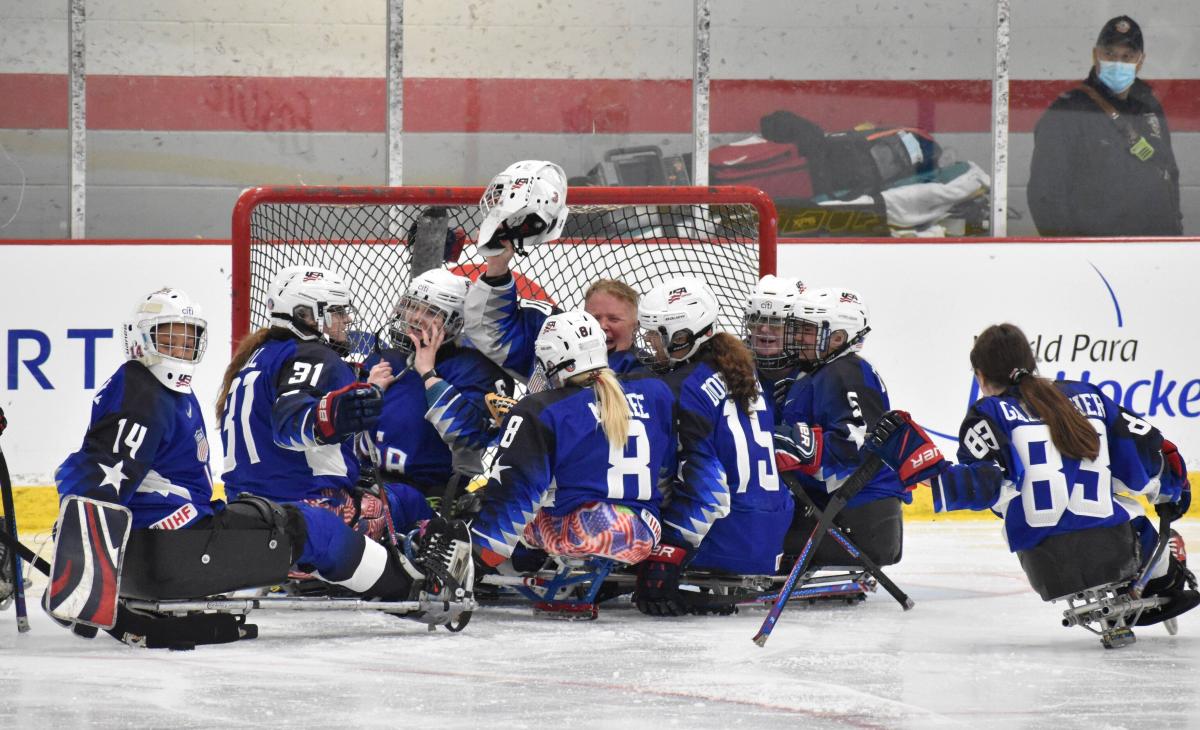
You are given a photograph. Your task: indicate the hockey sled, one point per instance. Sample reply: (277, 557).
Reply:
(1098, 572)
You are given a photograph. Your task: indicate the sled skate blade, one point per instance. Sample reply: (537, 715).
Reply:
(566, 610)
(1117, 637)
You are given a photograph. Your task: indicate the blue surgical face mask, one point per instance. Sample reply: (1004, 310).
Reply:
(1117, 76)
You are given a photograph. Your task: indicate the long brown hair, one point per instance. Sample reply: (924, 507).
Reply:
(245, 349)
(610, 399)
(733, 360)
(1003, 357)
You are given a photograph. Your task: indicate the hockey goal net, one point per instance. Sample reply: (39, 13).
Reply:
(376, 237)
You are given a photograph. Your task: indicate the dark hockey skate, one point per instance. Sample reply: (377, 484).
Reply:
(7, 579)
(442, 552)
(1177, 589)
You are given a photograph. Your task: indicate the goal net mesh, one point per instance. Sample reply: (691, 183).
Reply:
(374, 238)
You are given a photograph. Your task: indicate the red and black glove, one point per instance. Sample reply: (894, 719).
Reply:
(1174, 468)
(798, 448)
(658, 582)
(905, 447)
(347, 411)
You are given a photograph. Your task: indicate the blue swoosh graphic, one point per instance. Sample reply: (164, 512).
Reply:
(1111, 293)
(942, 435)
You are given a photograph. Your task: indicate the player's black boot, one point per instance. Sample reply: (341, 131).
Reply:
(7, 580)
(1178, 586)
(443, 554)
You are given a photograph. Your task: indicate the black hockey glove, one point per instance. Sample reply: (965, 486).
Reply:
(658, 582)
(3, 421)
(346, 411)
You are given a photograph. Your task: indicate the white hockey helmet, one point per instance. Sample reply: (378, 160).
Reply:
(526, 204)
(676, 318)
(304, 299)
(829, 311)
(569, 344)
(436, 296)
(168, 334)
(770, 328)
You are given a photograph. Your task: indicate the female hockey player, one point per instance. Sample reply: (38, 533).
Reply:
(728, 510)
(146, 449)
(289, 407)
(1057, 461)
(525, 206)
(435, 421)
(579, 464)
(811, 338)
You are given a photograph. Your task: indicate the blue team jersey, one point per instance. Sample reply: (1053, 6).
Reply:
(554, 456)
(146, 448)
(729, 499)
(846, 399)
(422, 430)
(268, 430)
(1008, 463)
(505, 327)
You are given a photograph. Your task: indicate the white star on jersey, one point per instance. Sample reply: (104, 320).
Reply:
(114, 475)
(858, 434)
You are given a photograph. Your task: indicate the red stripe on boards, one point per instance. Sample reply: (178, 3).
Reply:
(553, 106)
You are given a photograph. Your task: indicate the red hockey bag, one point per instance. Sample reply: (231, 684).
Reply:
(778, 169)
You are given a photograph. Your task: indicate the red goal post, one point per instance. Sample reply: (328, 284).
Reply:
(640, 235)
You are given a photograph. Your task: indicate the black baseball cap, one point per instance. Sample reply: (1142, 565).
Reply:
(1121, 30)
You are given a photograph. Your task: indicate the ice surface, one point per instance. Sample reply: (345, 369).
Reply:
(980, 650)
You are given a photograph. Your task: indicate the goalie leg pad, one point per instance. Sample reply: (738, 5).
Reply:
(85, 574)
(251, 543)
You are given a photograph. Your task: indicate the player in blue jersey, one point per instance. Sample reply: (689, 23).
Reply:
(1056, 460)
(146, 449)
(579, 464)
(289, 406)
(727, 511)
(525, 206)
(814, 336)
(435, 419)
(772, 332)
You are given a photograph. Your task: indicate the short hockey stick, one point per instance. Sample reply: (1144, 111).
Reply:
(852, 486)
(836, 533)
(1143, 576)
(10, 514)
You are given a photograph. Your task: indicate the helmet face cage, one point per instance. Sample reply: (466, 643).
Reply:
(413, 314)
(175, 338)
(525, 204)
(661, 353)
(775, 341)
(168, 334)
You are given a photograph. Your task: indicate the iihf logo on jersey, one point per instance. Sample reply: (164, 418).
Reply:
(677, 294)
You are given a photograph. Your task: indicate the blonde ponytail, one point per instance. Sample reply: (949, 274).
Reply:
(610, 398)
